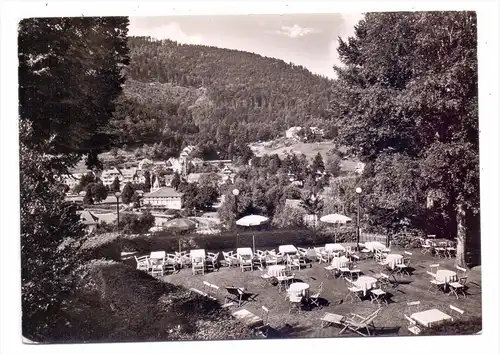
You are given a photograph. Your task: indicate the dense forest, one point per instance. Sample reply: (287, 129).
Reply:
(183, 94)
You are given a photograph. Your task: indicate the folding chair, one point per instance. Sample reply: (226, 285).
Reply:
(383, 280)
(314, 298)
(378, 295)
(461, 269)
(411, 304)
(436, 285)
(356, 323)
(354, 258)
(458, 312)
(412, 326)
(403, 268)
(458, 287)
(354, 292)
(295, 303)
(434, 267)
(344, 273)
(354, 273)
(440, 251)
(426, 247)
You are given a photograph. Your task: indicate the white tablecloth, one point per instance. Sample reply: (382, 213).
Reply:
(374, 245)
(334, 247)
(430, 317)
(197, 254)
(445, 275)
(340, 262)
(275, 270)
(393, 259)
(157, 255)
(299, 289)
(366, 283)
(288, 249)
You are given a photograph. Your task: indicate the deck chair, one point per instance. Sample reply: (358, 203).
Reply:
(264, 328)
(357, 323)
(331, 318)
(412, 326)
(142, 263)
(412, 304)
(233, 295)
(458, 287)
(457, 312)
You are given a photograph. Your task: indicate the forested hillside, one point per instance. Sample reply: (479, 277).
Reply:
(225, 98)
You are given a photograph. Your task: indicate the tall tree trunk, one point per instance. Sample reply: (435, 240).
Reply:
(461, 235)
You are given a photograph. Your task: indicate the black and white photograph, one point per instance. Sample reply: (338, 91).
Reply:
(249, 176)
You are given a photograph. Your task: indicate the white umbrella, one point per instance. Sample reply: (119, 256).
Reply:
(335, 219)
(252, 220)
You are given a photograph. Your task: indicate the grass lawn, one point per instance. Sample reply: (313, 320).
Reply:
(390, 321)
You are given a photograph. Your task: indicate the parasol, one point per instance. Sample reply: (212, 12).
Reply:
(252, 220)
(182, 225)
(335, 219)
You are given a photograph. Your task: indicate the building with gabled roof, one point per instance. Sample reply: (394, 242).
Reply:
(163, 198)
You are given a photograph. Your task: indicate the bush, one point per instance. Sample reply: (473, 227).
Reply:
(408, 237)
(460, 327)
(230, 239)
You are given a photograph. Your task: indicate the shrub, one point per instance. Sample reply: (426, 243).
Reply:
(408, 237)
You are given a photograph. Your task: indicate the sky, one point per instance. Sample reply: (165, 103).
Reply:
(303, 39)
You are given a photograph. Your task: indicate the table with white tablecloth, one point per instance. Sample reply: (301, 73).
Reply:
(334, 247)
(446, 276)
(392, 259)
(299, 289)
(374, 245)
(288, 249)
(276, 270)
(340, 262)
(366, 283)
(431, 317)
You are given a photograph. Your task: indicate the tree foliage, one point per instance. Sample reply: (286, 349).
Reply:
(70, 73)
(408, 92)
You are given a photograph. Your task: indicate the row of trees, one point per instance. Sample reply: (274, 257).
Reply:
(407, 104)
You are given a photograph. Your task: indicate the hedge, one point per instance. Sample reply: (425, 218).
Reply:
(460, 327)
(264, 239)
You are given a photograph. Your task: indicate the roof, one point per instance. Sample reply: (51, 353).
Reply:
(87, 218)
(164, 192)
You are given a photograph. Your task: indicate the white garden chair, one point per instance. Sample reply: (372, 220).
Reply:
(413, 304)
(413, 328)
(456, 311)
(458, 287)
(142, 263)
(157, 266)
(198, 265)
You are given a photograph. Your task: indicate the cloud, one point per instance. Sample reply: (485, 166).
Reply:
(296, 31)
(170, 31)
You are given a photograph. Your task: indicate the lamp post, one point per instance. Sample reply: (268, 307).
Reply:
(117, 195)
(236, 193)
(358, 193)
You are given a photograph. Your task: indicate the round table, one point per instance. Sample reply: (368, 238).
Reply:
(275, 270)
(392, 259)
(299, 289)
(366, 283)
(445, 275)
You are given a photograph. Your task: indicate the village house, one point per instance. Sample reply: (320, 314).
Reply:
(89, 220)
(71, 180)
(163, 198)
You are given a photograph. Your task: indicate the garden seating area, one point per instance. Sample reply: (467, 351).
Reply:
(307, 288)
